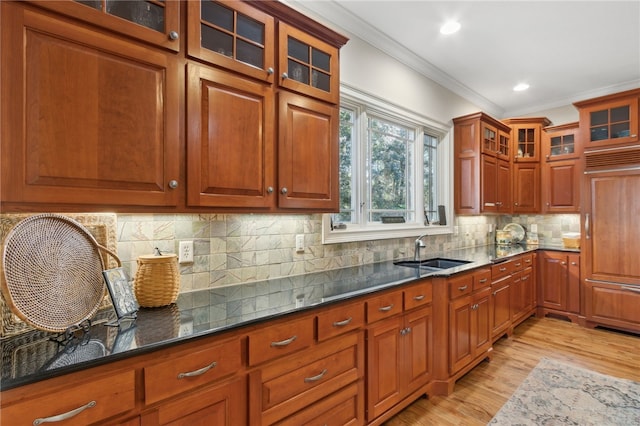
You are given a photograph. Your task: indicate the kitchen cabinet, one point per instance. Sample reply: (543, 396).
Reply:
(561, 169)
(612, 304)
(89, 118)
(153, 22)
(469, 320)
(526, 139)
(501, 279)
(559, 284)
(610, 120)
(399, 348)
(482, 172)
(523, 289)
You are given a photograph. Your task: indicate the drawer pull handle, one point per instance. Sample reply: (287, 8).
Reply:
(418, 298)
(503, 269)
(518, 265)
(386, 308)
(197, 372)
(64, 416)
(463, 288)
(342, 323)
(315, 378)
(482, 281)
(284, 342)
(632, 289)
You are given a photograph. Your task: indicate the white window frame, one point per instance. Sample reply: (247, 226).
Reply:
(363, 102)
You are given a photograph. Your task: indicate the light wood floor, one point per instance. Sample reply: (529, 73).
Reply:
(478, 396)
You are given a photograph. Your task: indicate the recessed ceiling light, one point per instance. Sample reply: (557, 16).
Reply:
(520, 87)
(450, 27)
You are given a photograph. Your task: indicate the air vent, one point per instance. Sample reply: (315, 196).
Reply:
(612, 158)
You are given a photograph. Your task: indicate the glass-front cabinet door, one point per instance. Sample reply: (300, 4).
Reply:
(233, 35)
(489, 139)
(308, 65)
(560, 142)
(612, 123)
(526, 137)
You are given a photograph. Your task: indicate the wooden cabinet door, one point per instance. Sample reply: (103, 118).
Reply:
(86, 120)
(612, 304)
(233, 35)
(460, 331)
(526, 188)
(418, 349)
(467, 167)
(501, 306)
(560, 187)
(573, 283)
(481, 321)
(611, 232)
(230, 147)
(518, 296)
(489, 188)
(307, 154)
(610, 120)
(503, 183)
(384, 366)
(553, 280)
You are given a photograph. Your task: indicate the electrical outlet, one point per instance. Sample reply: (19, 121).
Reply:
(185, 253)
(300, 242)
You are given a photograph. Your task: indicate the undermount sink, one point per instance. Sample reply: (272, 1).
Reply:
(435, 264)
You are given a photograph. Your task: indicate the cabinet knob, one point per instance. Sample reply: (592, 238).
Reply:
(270, 190)
(563, 263)
(173, 35)
(270, 70)
(173, 184)
(284, 191)
(515, 204)
(574, 263)
(285, 75)
(548, 204)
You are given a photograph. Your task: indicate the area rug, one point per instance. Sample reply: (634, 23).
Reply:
(556, 393)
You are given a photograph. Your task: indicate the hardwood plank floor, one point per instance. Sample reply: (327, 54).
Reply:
(478, 395)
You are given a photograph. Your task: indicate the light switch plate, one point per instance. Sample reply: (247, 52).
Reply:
(300, 242)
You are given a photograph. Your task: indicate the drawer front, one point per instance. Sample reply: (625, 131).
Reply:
(92, 402)
(460, 286)
(339, 320)
(277, 340)
(418, 295)
(191, 369)
(384, 306)
(527, 261)
(501, 270)
(284, 387)
(615, 304)
(481, 279)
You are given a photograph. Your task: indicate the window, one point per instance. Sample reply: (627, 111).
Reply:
(394, 172)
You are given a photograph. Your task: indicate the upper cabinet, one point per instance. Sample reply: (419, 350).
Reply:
(561, 142)
(561, 169)
(156, 22)
(609, 120)
(482, 173)
(526, 134)
(233, 35)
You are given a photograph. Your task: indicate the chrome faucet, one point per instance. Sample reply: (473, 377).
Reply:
(419, 244)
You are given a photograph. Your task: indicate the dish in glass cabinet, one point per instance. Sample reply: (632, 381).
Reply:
(517, 231)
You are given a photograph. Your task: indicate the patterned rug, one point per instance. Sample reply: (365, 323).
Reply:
(556, 393)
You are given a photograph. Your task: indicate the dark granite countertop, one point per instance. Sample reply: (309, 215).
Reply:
(35, 355)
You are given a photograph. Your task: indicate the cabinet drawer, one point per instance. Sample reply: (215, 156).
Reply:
(460, 286)
(102, 398)
(284, 387)
(277, 340)
(613, 304)
(190, 369)
(339, 320)
(418, 295)
(526, 261)
(501, 270)
(384, 306)
(481, 279)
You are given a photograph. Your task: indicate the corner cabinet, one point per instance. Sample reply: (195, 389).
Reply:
(482, 171)
(559, 284)
(88, 118)
(561, 169)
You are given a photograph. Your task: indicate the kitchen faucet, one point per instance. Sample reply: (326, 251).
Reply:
(419, 244)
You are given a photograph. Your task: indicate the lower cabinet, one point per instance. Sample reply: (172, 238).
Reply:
(399, 348)
(501, 307)
(610, 304)
(469, 320)
(559, 284)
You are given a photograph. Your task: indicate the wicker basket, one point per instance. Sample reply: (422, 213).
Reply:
(157, 280)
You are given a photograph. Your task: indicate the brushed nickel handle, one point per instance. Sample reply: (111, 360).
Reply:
(418, 298)
(563, 263)
(316, 378)
(270, 190)
(173, 184)
(587, 226)
(173, 35)
(463, 288)
(198, 372)
(574, 263)
(386, 308)
(342, 323)
(503, 269)
(270, 70)
(64, 416)
(631, 289)
(518, 265)
(284, 191)
(285, 75)
(284, 342)
(484, 280)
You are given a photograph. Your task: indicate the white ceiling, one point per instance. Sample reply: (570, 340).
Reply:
(565, 50)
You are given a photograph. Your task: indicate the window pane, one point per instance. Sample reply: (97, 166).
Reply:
(347, 122)
(430, 177)
(390, 150)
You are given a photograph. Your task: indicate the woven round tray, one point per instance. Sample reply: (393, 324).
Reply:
(53, 272)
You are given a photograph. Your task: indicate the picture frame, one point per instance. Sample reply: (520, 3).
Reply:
(124, 301)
